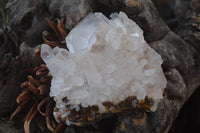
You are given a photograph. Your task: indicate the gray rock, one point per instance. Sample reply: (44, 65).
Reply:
(9, 128)
(70, 11)
(11, 76)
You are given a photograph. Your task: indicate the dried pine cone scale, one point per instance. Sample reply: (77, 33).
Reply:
(37, 87)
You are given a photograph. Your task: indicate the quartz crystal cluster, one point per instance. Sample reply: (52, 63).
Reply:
(109, 68)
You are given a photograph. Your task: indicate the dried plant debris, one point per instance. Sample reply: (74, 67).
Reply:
(8, 37)
(35, 91)
(180, 59)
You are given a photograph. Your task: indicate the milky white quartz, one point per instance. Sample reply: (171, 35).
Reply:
(108, 60)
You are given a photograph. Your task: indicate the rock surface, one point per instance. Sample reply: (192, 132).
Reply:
(8, 128)
(183, 77)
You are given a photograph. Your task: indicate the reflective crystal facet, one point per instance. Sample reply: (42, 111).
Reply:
(108, 60)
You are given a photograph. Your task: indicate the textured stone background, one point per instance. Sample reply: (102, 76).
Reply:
(173, 31)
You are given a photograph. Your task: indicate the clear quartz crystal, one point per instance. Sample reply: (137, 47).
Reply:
(108, 60)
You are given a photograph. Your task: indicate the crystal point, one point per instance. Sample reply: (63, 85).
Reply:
(108, 60)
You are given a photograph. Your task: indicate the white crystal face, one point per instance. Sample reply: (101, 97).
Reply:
(108, 60)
